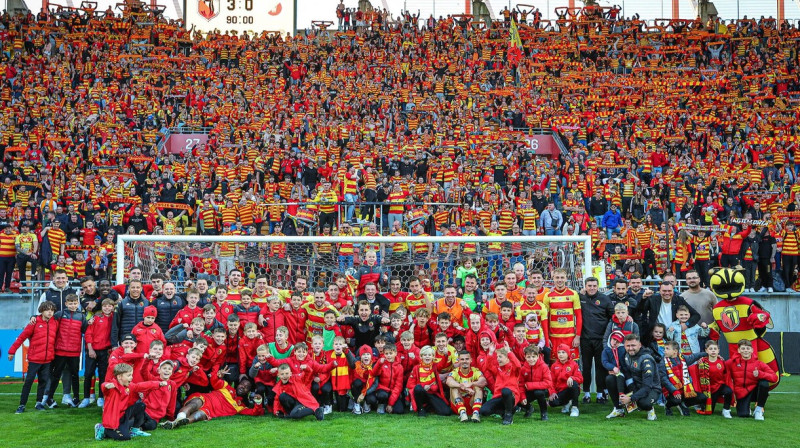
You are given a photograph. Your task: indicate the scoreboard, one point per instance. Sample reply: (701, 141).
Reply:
(241, 15)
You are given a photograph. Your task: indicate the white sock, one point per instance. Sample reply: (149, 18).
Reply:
(44, 398)
(587, 394)
(180, 416)
(66, 397)
(91, 397)
(759, 408)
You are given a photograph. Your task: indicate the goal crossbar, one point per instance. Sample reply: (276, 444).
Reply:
(123, 239)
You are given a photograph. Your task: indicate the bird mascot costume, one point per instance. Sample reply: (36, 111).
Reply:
(737, 317)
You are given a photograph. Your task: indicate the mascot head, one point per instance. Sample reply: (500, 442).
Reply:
(727, 283)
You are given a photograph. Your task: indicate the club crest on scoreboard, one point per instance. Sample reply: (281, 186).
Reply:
(208, 9)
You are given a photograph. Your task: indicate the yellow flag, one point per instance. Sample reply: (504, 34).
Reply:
(513, 33)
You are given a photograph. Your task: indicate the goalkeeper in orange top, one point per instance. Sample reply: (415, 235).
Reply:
(564, 314)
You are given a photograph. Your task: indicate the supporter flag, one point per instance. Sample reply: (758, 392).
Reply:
(514, 44)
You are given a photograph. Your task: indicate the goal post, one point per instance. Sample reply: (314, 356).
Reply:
(320, 257)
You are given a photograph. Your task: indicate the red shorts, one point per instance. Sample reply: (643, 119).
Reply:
(556, 341)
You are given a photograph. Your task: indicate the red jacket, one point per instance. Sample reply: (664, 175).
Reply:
(536, 377)
(518, 347)
(247, 315)
(232, 347)
(98, 333)
(390, 379)
(295, 321)
(42, 335)
(562, 371)
(223, 311)
(213, 356)
(742, 380)
(145, 335)
(406, 360)
(186, 315)
(71, 326)
(296, 389)
(505, 377)
(322, 359)
(422, 335)
(120, 398)
(160, 402)
(424, 376)
(118, 356)
(186, 374)
(273, 321)
(247, 351)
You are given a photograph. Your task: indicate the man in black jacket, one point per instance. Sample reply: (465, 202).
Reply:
(597, 311)
(641, 368)
(661, 308)
(598, 206)
(129, 312)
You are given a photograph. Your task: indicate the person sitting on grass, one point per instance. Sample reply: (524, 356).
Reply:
(679, 389)
(293, 398)
(123, 413)
(222, 401)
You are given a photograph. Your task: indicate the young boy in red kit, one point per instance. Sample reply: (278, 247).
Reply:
(536, 381)
(506, 316)
(342, 360)
(147, 331)
(331, 330)
(71, 326)
(321, 386)
(125, 353)
(190, 311)
(220, 304)
(181, 339)
(445, 325)
(501, 333)
(98, 343)
(426, 386)
(292, 397)
(389, 376)
(295, 319)
(214, 355)
(750, 379)
(423, 334)
(247, 348)
(41, 351)
(363, 383)
(407, 353)
(504, 368)
(567, 379)
(160, 403)
(246, 309)
(123, 414)
(518, 343)
(712, 375)
(148, 370)
(445, 356)
(222, 401)
(263, 374)
(211, 315)
(467, 386)
(187, 370)
(232, 337)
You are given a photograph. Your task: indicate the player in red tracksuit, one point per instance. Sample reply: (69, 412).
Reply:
(295, 319)
(750, 379)
(98, 343)
(567, 379)
(222, 401)
(389, 375)
(187, 370)
(190, 311)
(536, 382)
(41, 351)
(271, 318)
(363, 383)
(247, 348)
(293, 399)
(214, 355)
(71, 326)
(160, 403)
(321, 386)
(125, 353)
(232, 337)
(426, 386)
(504, 368)
(122, 412)
(147, 331)
(408, 354)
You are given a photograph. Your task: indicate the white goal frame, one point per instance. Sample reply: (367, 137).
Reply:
(122, 239)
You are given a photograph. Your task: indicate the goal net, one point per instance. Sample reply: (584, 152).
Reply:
(322, 258)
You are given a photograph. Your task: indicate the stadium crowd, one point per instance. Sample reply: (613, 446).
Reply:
(680, 137)
(673, 133)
